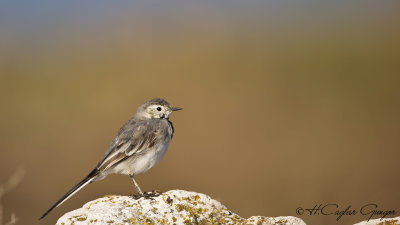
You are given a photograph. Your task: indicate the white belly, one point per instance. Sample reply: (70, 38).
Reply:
(142, 163)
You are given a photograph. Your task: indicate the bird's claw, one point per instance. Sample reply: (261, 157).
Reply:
(147, 195)
(153, 193)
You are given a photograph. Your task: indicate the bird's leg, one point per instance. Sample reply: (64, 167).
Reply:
(148, 195)
(136, 186)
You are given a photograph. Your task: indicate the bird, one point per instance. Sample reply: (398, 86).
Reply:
(138, 146)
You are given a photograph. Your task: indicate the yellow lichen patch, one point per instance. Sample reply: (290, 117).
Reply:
(149, 222)
(389, 222)
(109, 196)
(133, 220)
(196, 213)
(218, 216)
(80, 218)
(179, 207)
(194, 200)
(154, 210)
(237, 217)
(93, 203)
(281, 222)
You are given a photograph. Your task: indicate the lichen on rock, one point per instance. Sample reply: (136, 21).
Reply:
(384, 221)
(172, 207)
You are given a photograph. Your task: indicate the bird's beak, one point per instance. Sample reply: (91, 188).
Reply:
(176, 108)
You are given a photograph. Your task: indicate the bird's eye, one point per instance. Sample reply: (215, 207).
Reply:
(158, 108)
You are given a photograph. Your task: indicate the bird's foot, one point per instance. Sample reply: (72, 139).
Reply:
(136, 197)
(147, 195)
(153, 193)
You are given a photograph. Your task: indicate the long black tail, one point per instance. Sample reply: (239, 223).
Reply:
(75, 189)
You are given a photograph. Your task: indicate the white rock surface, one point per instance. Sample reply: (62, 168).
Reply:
(172, 207)
(385, 221)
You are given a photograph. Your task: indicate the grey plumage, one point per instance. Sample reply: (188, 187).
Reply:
(139, 145)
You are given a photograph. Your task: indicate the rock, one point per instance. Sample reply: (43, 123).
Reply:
(172, 207)
(385, 221)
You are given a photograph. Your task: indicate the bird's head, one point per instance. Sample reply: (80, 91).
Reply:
(155, 108)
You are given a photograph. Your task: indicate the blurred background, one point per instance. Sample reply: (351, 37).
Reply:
(286, 103)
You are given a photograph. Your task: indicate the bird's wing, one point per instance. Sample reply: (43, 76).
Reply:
(130, 140)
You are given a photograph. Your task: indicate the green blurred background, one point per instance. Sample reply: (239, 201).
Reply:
(286, 103)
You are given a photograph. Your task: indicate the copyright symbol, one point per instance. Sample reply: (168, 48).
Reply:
(299, 211)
